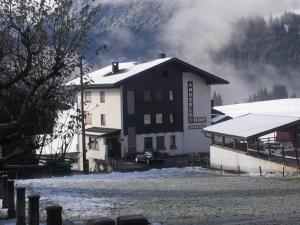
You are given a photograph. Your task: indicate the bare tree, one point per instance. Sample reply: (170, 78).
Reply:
(39, 45)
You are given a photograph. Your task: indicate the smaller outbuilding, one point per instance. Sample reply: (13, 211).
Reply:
(249, 143)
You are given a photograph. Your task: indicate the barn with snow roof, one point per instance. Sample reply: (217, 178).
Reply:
(162, 104)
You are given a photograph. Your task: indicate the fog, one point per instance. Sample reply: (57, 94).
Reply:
(199, 28)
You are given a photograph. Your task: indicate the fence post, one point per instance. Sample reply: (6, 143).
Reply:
(4, 191)
(260, 173)
(54, 215)
(20, 206)
(101, 221)
(33, 210)
(11, 212)
(132, 220)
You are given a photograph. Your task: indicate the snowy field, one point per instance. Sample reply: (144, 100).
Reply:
(187, 196)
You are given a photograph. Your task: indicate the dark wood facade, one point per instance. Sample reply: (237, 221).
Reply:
(167, 77)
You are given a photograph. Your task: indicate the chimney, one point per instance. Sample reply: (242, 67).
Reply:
(115, 67)
(162, 55)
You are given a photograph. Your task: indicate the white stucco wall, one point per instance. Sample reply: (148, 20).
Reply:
(236, 161)
(111, 107)
(112, 110)
(194, 139)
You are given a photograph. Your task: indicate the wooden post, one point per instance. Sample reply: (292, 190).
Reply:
(11, 212)
(247, 146)
(234, 144)
(54, 215)
(1, 184)
(4, 193)
(283, 155)
(296, 149)
(20, 206)
(260, 172)
(223, 141)
(269, 147)
(101, 221)
(132, 220)
(33, 210)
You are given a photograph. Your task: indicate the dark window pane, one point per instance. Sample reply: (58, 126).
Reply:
(171, 95)
(130, 102)
(148, 143)
(147, 96)
(103, 119)
(159, 95)
(172, 141)
(102, 96)
(88, 96)
(171, 118)
(160, 142)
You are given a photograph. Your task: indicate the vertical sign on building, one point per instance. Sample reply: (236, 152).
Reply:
(191, 118)
(190, 102)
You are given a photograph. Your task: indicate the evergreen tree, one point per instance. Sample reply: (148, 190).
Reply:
(217, 99)
(279, 92)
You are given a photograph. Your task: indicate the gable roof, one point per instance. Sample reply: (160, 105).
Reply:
(251, 125)
(104, 77)
(280, 107)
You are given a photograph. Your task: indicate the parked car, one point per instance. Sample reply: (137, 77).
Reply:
(149, 156)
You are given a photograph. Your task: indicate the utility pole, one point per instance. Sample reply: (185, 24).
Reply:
(84, 161)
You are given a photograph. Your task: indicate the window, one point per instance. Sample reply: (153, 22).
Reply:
(147, 119)
(171, 118)
(173, 142)
(130, 102)
(88, 118)
(159, 118)
(93, 143)
(147, 96)
(102, 96)
(160, 142)
(103, 122)
(88, 96)
(158, 95)
(148, 143)
(171, 95)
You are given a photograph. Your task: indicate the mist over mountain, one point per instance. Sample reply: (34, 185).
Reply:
(246, 46)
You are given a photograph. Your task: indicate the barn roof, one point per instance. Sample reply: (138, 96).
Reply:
(281, 107)
(105, 78)
(252, 125)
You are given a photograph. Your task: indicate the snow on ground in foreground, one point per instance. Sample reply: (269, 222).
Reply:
(77, 194)
(154, 193)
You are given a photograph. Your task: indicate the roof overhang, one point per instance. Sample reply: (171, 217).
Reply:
(252, 126)
(102, 132)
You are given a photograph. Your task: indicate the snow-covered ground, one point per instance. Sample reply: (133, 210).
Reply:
(173, 196)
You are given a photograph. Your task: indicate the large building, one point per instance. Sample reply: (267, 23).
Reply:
(161, 104)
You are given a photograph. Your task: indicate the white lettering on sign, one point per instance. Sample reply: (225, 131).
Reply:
(191, 117)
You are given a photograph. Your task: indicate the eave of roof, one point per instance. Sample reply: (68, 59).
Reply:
(185, 67)
(252, 126)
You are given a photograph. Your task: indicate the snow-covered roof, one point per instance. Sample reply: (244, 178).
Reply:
(218, 118)
(251, 125)
(282, 107)
(105, 77)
